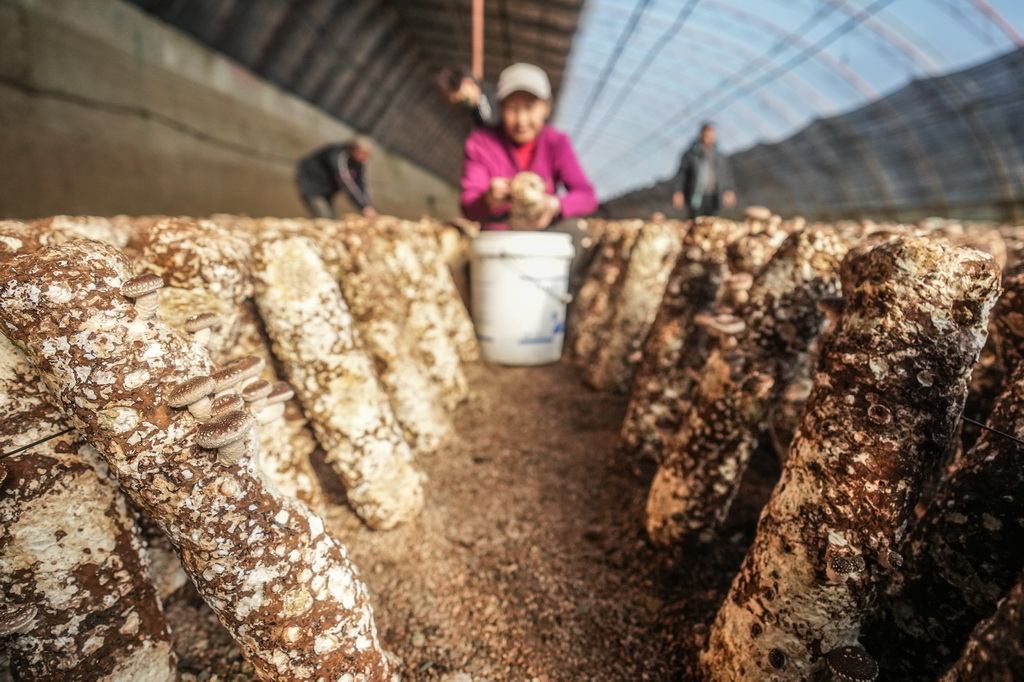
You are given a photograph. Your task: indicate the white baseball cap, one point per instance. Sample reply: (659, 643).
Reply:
(526, 78)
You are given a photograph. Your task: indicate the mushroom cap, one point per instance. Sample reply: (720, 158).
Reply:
(237, 371)
(14, 617)
(224, 428)
(852, 664)
(832, 306)
(757, 213)
(143, 284)
(256, 390)
(226, 403)
(190, 391)
(281, 392)
(722, 323)
(740, 280)
(201, 321)
(844, 564)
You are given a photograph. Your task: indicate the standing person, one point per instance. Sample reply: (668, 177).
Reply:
(460, 88)
(332, 169)
(525, 141)
(703, 183)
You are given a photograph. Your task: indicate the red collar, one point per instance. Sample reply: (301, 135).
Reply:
(524, 153)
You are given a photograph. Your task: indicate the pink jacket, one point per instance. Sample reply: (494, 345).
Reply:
(489, 154)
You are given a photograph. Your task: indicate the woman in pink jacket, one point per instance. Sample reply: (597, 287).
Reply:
(523, 142)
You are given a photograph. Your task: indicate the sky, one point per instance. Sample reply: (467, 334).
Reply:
(644, 74)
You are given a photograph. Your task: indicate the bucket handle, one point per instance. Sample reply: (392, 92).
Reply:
(564, 299)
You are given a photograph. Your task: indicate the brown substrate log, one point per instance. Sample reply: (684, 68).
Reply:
(207, 268)
(637, 297)
(593, 307)
(704, 463)
(72, 563)
(283, 588)
(314, 336)
(995, 650)
(676, 347)
(887, 397)
(963, 555)
(1008, 320)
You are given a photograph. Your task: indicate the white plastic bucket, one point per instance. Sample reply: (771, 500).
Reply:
(520, 285)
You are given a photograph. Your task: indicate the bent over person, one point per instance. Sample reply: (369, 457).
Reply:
(525, 142)
(332, 169)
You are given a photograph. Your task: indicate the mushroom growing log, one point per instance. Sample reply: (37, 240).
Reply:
(675, 349)
(995, 650)
(591, 312)
(427, 290)
(966, 551)
(636, 298)
(437, 274)
(71, 559)
(284, 589)
(314, 336)
(888, 393)
(704, 463)
(1008, 320)
(206, 269)
(381, 311)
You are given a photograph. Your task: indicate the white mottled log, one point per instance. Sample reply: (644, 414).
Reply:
(285, 443)
(381, 310)
(70, 553)
(314, 336)
(437, 268)
(284, 589)
(637, 299)
(703, 465)
(399, 245)
(64, 227)
(888, 393)
(995, 650)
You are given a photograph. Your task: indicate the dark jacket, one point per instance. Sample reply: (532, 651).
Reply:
(329, 170)
(692, 176)
(487, 111)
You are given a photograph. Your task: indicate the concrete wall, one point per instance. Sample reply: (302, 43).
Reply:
(105, 110)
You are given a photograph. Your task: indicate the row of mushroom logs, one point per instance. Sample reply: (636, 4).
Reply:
(182, 440)
(839, 554)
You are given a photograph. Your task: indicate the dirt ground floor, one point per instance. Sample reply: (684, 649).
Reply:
(530, 561)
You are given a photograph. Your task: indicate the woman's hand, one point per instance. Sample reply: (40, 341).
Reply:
(552, 207)
(497, 193)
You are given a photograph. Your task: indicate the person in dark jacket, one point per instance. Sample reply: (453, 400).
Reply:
(332, 169)
(703, 183)
(460, 88)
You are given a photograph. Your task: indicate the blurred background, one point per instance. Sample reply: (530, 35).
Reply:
(888, 109)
